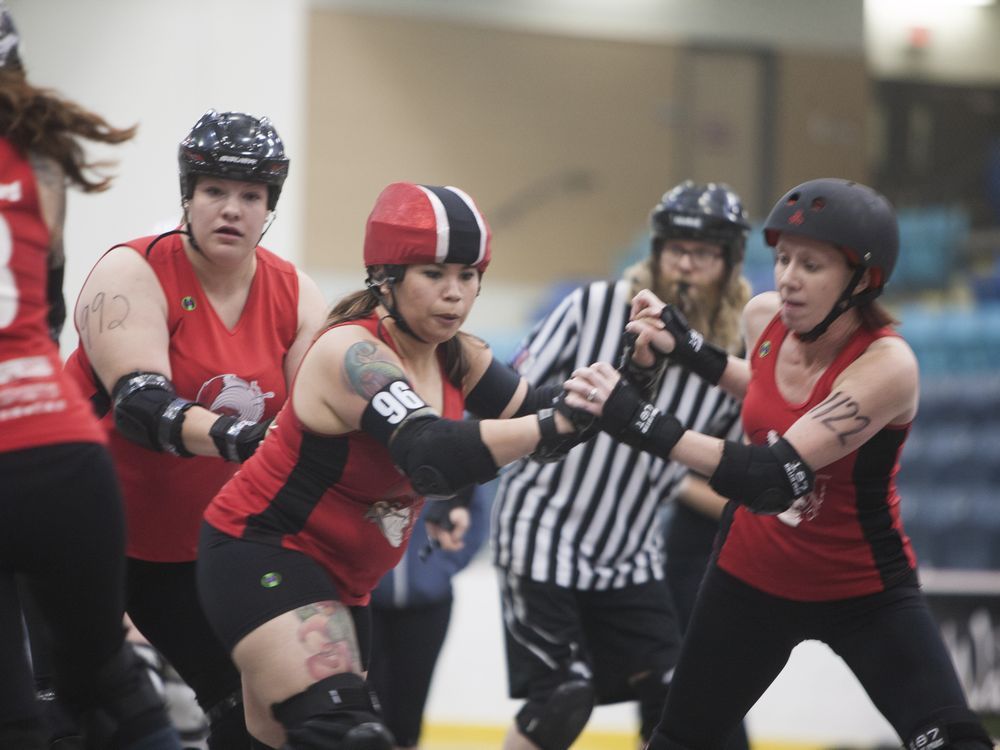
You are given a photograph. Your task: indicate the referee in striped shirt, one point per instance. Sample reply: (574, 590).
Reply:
(588, 615)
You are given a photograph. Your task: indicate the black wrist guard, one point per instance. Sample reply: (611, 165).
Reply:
(237, 439)
(554, 445)
(691, 350)
(633, 421)
(171, 422)
(644, 378)
(584, 423)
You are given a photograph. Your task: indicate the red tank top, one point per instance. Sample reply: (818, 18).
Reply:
(239, 372)
(39, 405)
(337, 498)
(845, 538)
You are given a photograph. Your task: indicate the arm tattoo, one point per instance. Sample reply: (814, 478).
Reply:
(839, 408)
(106, 314)
(326, 631)
(369, 370)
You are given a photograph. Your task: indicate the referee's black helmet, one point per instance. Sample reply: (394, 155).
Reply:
(712, 212)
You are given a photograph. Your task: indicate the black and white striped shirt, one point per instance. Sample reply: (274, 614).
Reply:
(590, 521)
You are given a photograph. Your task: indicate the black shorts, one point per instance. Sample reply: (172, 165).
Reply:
(553, 633)
(244, 584)
(740, 639)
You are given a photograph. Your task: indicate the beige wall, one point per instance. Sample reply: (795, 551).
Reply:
(821, 122)
(565, 142)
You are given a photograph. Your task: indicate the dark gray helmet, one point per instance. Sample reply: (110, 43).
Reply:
(10, 41)
(233, 146)
(709, 213)
(852, 216)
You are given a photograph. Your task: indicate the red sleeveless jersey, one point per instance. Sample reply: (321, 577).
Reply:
(845, 538)
(337, 498)
(239, 372)
(39, 405)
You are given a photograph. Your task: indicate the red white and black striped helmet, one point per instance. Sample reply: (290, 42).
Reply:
(415, 224)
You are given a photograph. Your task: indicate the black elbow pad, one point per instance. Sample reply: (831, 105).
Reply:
(148, 412)
(765, 478)
(441, 456)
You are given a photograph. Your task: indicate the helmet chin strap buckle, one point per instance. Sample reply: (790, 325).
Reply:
(847, 300)
(390, 305)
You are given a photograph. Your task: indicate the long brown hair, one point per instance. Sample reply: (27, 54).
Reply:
(716, 315)
(40, 121)
(362, 303)
(874, 316)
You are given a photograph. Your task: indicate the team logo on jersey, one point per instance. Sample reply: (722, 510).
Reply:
(392, 519)
(188, 303)
(233, 396)
(765, 349)
(807, 507)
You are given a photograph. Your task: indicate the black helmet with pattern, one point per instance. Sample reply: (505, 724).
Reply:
(233, 146)
(712, 212)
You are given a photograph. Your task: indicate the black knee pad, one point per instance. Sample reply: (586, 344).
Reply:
(122, 700)
(953, 728)
(651, 690)
(555, 723)
(336, 713)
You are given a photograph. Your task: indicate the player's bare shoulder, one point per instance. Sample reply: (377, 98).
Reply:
(758, 313)
(477, 353)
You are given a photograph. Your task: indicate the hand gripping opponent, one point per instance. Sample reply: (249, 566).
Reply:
(691, 349)
(634, 421)
(646, 379)
(554, 445)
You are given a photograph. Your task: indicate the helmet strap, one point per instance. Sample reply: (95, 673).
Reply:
(189, 231)
(848, 299)
(157, 238)
(390, 304)
(272, 214)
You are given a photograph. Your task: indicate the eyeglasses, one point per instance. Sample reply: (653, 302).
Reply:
(699, 256)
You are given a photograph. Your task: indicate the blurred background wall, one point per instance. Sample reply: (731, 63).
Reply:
(566, 120)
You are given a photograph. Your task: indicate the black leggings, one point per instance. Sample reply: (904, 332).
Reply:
(406, 643)
(689, 539)
(62, 533)
(162, 600)
(740, 639)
